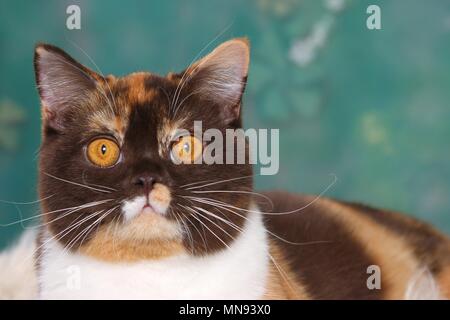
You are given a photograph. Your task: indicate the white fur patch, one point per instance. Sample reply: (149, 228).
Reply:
(132, 208)
(239, 272)
(423, 286)
(17, 270)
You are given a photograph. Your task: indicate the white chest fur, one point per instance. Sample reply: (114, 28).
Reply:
(238, 272)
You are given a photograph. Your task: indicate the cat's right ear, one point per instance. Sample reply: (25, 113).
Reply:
(62, 83)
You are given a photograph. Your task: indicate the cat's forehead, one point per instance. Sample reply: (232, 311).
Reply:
(141, 88)
(144, 93)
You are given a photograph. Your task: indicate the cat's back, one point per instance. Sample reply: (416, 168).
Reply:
(340, 250)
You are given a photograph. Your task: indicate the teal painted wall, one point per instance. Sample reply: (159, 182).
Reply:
(371, 107)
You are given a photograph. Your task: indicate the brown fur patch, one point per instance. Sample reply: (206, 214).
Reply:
(391, 253)
(357, 238)
(322, 253)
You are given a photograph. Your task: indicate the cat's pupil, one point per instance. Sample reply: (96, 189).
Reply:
(186, 147)
(103, 149)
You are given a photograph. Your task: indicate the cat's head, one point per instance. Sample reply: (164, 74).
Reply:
(116, 174)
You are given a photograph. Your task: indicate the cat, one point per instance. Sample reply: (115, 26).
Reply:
(121, 219)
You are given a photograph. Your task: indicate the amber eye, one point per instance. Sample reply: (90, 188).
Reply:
(103, 152)
(186, 150)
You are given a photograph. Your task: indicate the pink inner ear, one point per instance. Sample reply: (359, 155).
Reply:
(224, 71)
(62, 82)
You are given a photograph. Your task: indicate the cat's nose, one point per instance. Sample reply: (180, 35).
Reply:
(146, 182)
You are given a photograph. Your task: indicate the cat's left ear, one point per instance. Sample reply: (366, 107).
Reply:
(62, 82)
(221, 76)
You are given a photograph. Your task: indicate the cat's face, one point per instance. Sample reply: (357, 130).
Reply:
(116, 174)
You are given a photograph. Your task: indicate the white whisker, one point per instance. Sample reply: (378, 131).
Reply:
(66, 231)
(278, 213)
(76, 183)
(26, 203)
(268, 231)
(87, 205)
(221, 181)
(237, 191)
(203, 224)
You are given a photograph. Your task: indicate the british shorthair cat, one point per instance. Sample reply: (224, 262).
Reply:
(125, 205)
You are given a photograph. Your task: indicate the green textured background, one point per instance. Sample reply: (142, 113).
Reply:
(371, 107)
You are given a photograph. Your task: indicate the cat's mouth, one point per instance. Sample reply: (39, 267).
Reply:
(156, 201)
(147, 209)
(145, 216)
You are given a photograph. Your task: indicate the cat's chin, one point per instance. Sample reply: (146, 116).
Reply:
(147, 236)
(149, 225)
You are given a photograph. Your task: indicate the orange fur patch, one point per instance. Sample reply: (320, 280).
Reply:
(115, 245)
(138, 93)
(444, 282)
(160, 194)
(281, 282)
